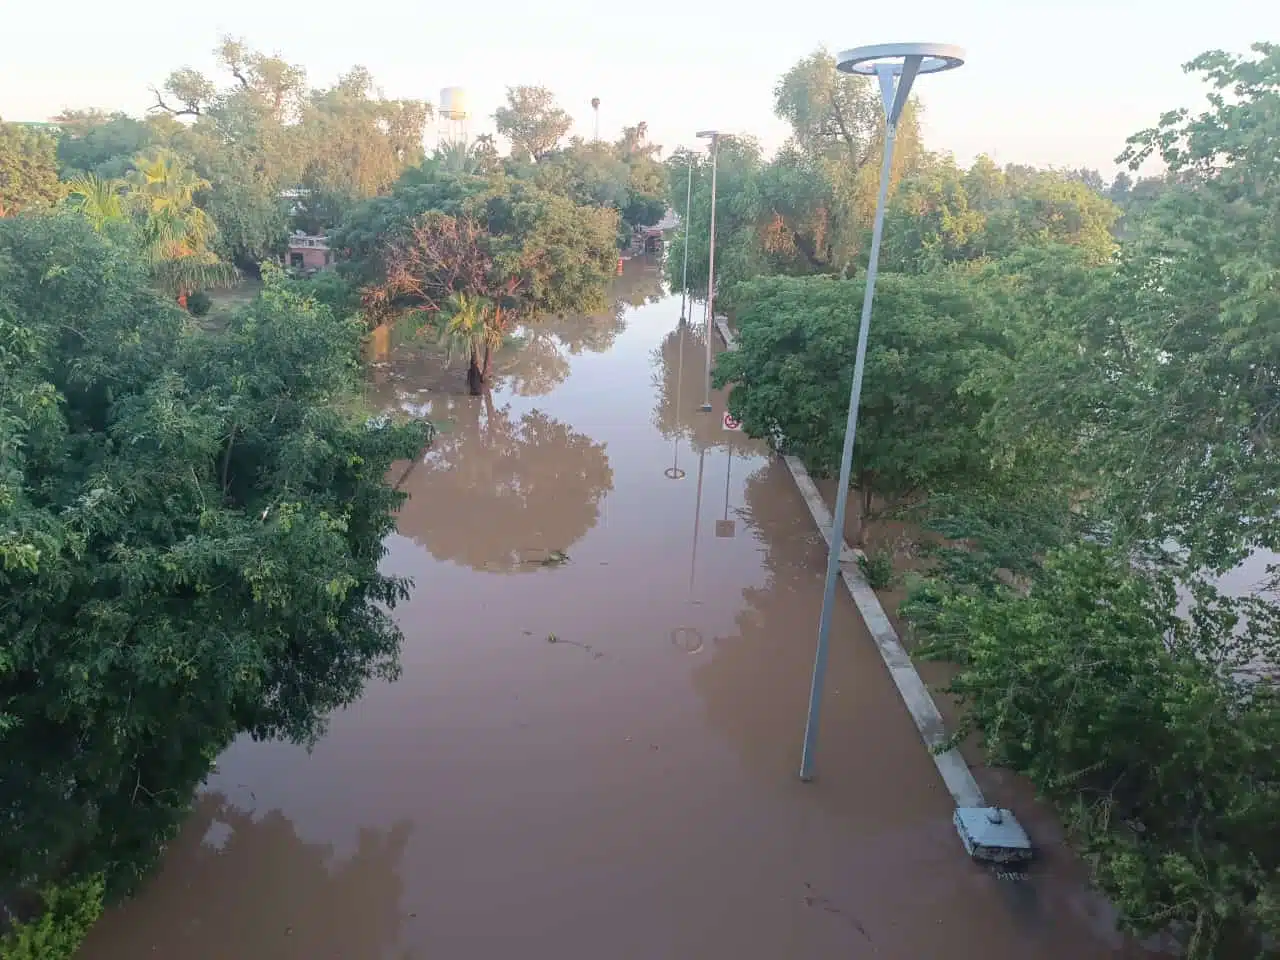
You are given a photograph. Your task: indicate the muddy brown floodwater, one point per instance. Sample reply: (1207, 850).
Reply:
(629, 790)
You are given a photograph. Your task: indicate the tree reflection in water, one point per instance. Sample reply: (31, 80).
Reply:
(503, 492)
(239, 885)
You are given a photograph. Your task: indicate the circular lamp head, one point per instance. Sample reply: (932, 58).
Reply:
(934, 57)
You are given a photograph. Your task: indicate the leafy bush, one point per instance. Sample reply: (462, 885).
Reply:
(877, 567)
(1130, 719)
(192, 530)
(927, 384)
(199, 304)
(65, 916)
(330, 289)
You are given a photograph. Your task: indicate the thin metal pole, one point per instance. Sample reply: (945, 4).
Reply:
(846, 464)
(688, 201)
(711, 271)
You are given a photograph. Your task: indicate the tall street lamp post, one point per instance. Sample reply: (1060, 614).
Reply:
(714, 136)
(688, 201)
(895, 66)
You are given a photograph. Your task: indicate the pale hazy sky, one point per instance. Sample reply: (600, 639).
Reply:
(1048, 82)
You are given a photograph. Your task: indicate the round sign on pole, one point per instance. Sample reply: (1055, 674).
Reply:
(730, 423)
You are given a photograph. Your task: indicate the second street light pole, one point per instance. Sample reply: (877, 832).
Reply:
(711, 264)
(895, 66)
(688, 201)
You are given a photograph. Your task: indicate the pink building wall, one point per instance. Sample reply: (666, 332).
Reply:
(313, 257)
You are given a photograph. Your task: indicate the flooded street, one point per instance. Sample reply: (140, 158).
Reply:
(592, 750)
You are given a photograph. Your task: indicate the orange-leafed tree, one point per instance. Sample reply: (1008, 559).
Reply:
(445, 266)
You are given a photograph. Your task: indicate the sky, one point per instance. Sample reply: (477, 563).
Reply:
(1047, 82)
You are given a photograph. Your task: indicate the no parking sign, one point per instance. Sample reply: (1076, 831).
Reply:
(730, 423)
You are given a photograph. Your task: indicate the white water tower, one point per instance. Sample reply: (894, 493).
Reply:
(453, 116)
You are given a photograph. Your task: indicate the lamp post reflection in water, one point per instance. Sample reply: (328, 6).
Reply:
(725, 527)
(674, 472)
(689, 639)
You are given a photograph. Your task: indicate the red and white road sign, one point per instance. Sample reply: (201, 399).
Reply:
(730, 423)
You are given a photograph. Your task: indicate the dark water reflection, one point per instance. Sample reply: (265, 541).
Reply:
(629, 790)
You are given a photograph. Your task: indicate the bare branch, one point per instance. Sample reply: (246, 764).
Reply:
(192, 110)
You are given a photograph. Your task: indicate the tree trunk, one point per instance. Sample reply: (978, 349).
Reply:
(488, 363)
(864, 488)
(475, 379)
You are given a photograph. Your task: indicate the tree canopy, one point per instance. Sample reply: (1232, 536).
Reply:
(266, 137)
(510, 252)
(28, 168)
(532, 121)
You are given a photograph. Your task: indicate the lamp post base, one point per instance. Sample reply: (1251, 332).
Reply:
(992, 834)
(704, 408)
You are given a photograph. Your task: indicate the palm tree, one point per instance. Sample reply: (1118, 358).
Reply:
(455, 156)
(473, 323)
(98, 198)
(175, 232)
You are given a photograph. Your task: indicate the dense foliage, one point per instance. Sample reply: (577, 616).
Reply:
(809, 209)
(624, 175)
(532, 121)
(1074, 387)
(1130, 719)
(928, 382)
(475, 257)
(193, 526)
(28, 168)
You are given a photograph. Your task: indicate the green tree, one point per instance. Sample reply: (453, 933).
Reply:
(380, 223)
(92, 142)
(193, 527)
(837, 123)
(1191, 448)
(28, 168)
(740, 211)
(176, 234)
(273, 149)
(243, 142)
(532, 121)
(100, 200)
(927, 386)
(355, 145)
(1046, 208)
(930, 221)
(511, 254)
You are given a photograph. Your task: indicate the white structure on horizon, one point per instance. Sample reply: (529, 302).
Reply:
(452, 117)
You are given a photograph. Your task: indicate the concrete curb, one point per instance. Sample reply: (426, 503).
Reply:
(915, 694)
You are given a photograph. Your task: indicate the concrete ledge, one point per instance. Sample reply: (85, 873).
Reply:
(915, 694)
